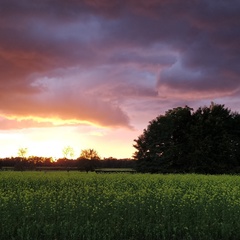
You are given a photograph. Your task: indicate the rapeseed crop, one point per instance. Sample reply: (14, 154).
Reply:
(74, 205)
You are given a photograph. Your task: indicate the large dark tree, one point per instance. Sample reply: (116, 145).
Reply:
(204, 141)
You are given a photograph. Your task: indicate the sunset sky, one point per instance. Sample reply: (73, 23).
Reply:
(93, 73)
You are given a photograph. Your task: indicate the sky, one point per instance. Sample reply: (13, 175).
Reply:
(93, 73)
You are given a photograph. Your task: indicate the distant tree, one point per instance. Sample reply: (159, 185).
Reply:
(68, 152)
(89, 154)
(88, 160)
(22, 152)
(205, 141)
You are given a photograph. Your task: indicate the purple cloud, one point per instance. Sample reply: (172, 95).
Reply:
(108, 55)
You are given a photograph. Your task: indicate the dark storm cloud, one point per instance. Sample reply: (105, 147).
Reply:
(189, 49)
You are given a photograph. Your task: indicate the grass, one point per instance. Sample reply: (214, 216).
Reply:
(61, 205)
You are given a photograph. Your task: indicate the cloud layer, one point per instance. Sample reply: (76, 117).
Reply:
(99, 62)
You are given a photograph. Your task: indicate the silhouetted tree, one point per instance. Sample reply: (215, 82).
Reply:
(88, 159)
(205, 141)
(89, 154)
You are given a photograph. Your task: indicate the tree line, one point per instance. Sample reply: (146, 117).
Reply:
(88, 160)
(80, 164)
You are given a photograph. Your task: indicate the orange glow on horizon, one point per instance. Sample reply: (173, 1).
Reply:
(50, 141)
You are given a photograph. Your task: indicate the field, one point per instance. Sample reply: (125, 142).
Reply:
(61, 205)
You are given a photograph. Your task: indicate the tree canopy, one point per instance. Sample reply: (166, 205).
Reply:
(183, 140)
(68, 152)
(89, 154)
(22, 152)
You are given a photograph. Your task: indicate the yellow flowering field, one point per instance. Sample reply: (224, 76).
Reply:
(74, 205)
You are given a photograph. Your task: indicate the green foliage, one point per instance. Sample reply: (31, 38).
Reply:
(68, 152)
(205, 141)
(53, 205)
(22, 152)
